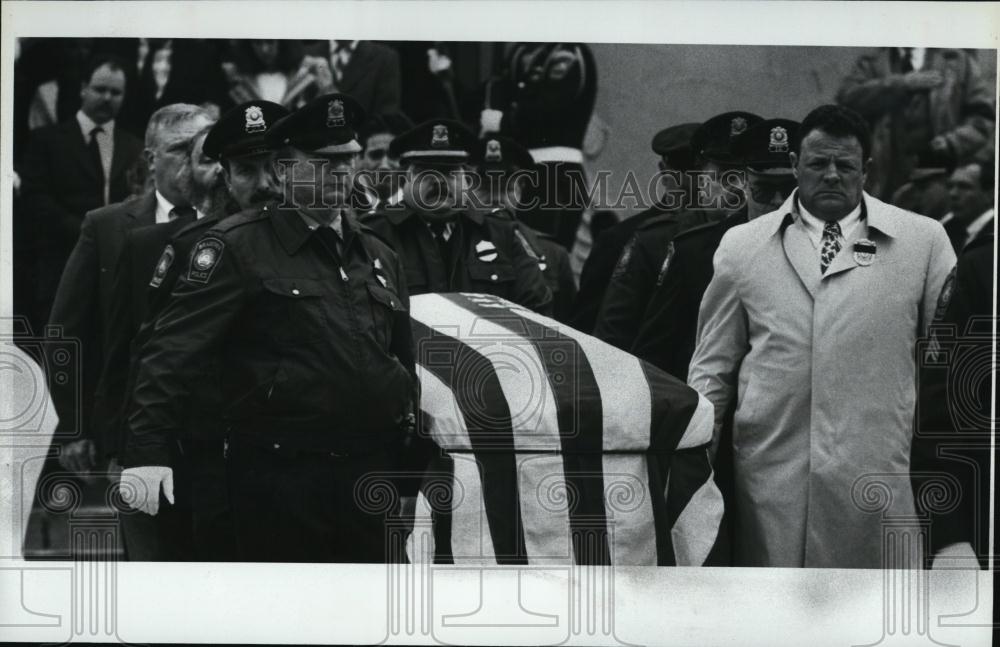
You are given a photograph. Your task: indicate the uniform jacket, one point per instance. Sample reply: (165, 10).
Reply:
(82, 306)
(143, 252)
(821, 369)
(951, 449)
(961, 110)
(640, 267)
(667, 331)
(600, 264)
(487, 256)
(60, 182)
(313, 345)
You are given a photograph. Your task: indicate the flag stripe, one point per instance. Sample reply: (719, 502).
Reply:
(522, 376)
(579, 414)
(487, 419)
(681, 417)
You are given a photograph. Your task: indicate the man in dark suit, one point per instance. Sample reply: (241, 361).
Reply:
(367, 71)
(82, 301)
(970, 194)
(74, 167)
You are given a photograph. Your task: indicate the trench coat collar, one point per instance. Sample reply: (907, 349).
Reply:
(877, 215)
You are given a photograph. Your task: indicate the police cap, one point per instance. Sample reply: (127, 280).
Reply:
(713, 140)
(440, 141)
(673, 144)
(327, 124)
(502, 153)
(242, 130)
(765, 145)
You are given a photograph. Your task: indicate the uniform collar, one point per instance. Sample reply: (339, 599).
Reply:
(293, 232)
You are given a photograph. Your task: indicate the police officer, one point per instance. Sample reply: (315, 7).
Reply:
(713, 189)
(306, 314)
(673, 146)
(667, 333)
(236, 142)
(666, 336)
(503, 167)
(447, 242)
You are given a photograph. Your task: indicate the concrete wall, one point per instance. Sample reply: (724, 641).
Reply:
(644, 88)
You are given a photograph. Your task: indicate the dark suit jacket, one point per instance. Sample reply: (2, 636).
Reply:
(59, 179)
(372, 78)
(82, 306)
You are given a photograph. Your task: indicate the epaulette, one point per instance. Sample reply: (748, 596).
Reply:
(697, 229)
(661, 220)
(501, 213)
(245, 217)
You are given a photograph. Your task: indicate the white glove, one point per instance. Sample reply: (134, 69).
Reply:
(489, 121)
(957, 555)
(140, 487)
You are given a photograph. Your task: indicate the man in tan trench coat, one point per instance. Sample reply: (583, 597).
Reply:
(809, 328)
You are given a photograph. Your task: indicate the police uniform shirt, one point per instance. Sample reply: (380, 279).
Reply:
(814, 226)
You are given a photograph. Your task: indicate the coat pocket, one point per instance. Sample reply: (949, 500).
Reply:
(293, 310)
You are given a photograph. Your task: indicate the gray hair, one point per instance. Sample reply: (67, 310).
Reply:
(169, 116)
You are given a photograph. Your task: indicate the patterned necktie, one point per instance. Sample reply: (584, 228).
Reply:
(829, 246)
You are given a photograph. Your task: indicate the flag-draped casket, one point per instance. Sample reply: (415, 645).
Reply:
(554, 447)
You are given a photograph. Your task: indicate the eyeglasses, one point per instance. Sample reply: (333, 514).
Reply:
(765, 190)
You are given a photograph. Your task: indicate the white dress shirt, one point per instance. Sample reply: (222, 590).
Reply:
(164, 207)
(105, 144)
(814, 226)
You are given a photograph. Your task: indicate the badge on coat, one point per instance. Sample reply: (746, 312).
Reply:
(204, 259)
(947, 290)
(666, 264)
(864, 252)
(621, 267)
(486, 251)
(162, 267)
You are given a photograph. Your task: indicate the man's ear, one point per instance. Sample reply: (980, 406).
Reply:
(661, 165)
(794, 159)
(866, 166)
(150, 156)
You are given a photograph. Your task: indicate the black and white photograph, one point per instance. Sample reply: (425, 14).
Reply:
(638, 323)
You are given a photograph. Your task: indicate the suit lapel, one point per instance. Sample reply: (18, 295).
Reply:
(802, 255)
(117, 155)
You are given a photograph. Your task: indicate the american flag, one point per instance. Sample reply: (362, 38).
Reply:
(556, 448)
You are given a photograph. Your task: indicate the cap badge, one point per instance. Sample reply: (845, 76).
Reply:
(737, 125)
(493, 152)
(255, 119)
(439, 136)
(779, 140)
(335, 114)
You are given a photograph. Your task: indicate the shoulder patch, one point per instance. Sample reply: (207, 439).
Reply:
(623, 261)
(204, 259)
(665, 267)
(947, 290)
(162, 266)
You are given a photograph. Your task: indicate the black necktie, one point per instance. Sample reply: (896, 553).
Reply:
(444, 248)
(95, 155)
(182, 216)
(330, 240)
(906, 60)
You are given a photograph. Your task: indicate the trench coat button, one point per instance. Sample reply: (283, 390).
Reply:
(295, 291)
